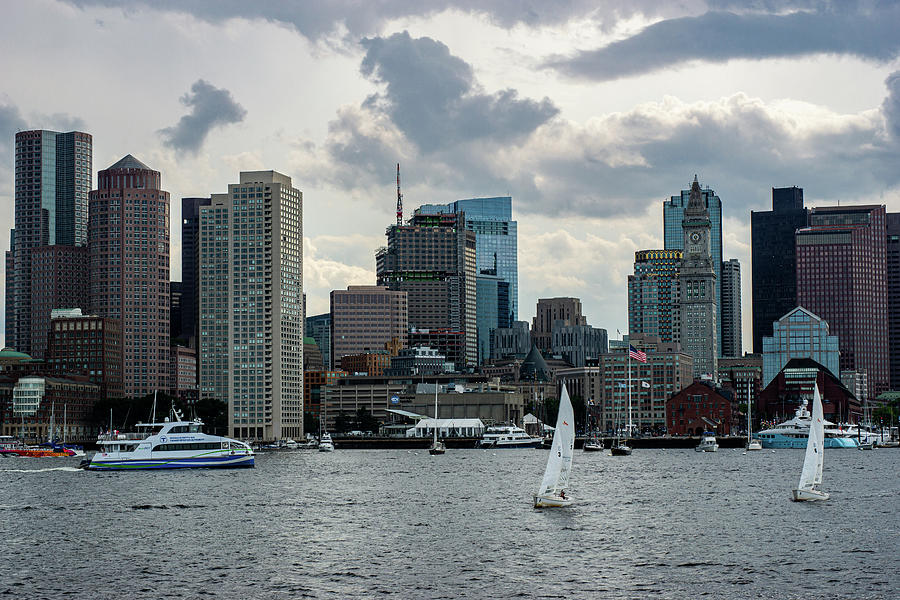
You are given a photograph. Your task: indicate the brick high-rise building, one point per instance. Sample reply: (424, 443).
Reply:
(87, 345)
(365, 318)
(773, 267)
(251, 305)
(129, 246)
(841, 277)
(52, 183)
(432, 259)
(60, 278)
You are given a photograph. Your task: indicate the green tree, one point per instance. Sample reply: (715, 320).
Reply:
(343, 423)
(366, 422)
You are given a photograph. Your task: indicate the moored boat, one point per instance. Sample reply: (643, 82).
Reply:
(707, 443)
(794, 432)
(508, 436)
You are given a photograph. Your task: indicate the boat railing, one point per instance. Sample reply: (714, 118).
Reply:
(131, 435)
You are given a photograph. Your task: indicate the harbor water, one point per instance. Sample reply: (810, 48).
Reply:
(403, 524)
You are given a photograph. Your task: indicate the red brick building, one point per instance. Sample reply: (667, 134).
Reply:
(87, 345)
(698, 408)
(786, 392)
(59, 279)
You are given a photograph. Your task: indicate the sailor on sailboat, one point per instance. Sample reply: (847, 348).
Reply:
(811, 476)
(552, 492)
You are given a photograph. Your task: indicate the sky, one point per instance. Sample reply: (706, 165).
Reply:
(588, 113)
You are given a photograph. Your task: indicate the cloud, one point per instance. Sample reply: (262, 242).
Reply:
(10, 123)
(210, 107)
(864, 30)
(432, 96)
(891, 105)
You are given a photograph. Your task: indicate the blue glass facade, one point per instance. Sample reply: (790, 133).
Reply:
(318, 327)
(673, 237)
(492, 310)
(496, 237)
(799, 334)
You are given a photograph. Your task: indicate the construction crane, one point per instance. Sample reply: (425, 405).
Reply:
(399, 199)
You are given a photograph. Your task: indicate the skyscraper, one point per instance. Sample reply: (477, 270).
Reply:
(318, 327)
(673, 236)
(892, 227)
(129, 233)
(364, 318)
(432, 259)
(799, 334)
(654, 293)
(698, 287)
(732, 343)
(566, 311)
(493, 309)
(190, 275)
(841, 277)
(251, 305)
(496, 237)
(773, 267)
(52, 183)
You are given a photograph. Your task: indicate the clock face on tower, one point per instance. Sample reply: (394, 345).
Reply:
(695, 236)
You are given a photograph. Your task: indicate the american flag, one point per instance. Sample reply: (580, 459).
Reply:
(637, 354)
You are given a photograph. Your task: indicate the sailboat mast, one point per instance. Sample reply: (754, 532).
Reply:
(65, 422)
(435, 412)
(749, 425)
(52, 421)
(629, 389)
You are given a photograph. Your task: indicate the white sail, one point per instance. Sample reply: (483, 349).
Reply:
(814, 459)
(559, 463)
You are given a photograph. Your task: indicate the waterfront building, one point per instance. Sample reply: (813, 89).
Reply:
(841, 277)
(496, 238)
(732, 342)
(799, 334)
(432, 259)
(36, 399)
(584, 384)
(87, 345)
(129, 248)
(549, 311)
(512, 341)
(190, 274)
(418, 362)
(52, 182)
(700, 407)
(668, 369)
(577, 344)
(654, 293)
(251, 311)
(742, 378)
(448, 342)
(318, 327)
(857, 382)
(674, 237)
(699, 278)
(892, 252)
(314, 383)
(59, 279)
(773, 267)
(371, 363)
(781, 398)
(184, 373)
(366, 317)
(493, 309)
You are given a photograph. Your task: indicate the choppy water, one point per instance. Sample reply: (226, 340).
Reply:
(392, 523)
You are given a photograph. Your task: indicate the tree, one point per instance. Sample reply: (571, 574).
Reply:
(343, 423)
(366, 422)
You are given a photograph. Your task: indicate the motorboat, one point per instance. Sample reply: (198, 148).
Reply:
(171, 444)
(592, 444)
(10, 446)
(620, 449)
(754, 444)
(794, 432)
(707, 443)
(325, 443)
(508, 436)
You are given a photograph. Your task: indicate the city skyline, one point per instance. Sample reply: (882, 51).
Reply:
(534, 106)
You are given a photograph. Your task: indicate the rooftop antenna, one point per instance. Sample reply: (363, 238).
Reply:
(399, 199)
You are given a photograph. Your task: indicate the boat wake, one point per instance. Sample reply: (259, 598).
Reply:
(69, 469)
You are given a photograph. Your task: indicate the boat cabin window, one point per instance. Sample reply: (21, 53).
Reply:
(193, 446)
(179, 429)
(195, 428)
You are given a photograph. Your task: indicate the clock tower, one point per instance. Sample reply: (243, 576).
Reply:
(698, 287)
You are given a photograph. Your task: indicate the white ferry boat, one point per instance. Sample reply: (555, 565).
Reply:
(169, 445)
(508, 436)
(794, 433)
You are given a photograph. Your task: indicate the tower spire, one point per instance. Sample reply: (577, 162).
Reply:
(399, 199)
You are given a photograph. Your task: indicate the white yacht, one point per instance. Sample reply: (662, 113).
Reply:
(325, 443)
(708, 443)
(172, 444)
(794, 432)
(508, 436)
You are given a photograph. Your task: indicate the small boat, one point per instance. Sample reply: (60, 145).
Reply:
(707, 443)
(508, 436)
(754, 444)
(325, 443)
(171, 444)
(621, 449)
(592, 444)
(866, 446)
(436, 446)
(552, 493)
(814, 459)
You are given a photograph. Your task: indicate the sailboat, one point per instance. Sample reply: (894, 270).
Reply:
(552, 492)
(811, 476)
(752, 444)
(620, 447)
(436, 446)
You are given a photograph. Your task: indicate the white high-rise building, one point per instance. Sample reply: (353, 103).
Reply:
(251, 305)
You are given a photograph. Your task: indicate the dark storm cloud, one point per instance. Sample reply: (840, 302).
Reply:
(891, 105)
(867, 31)
(432, 96)
(210, 107)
